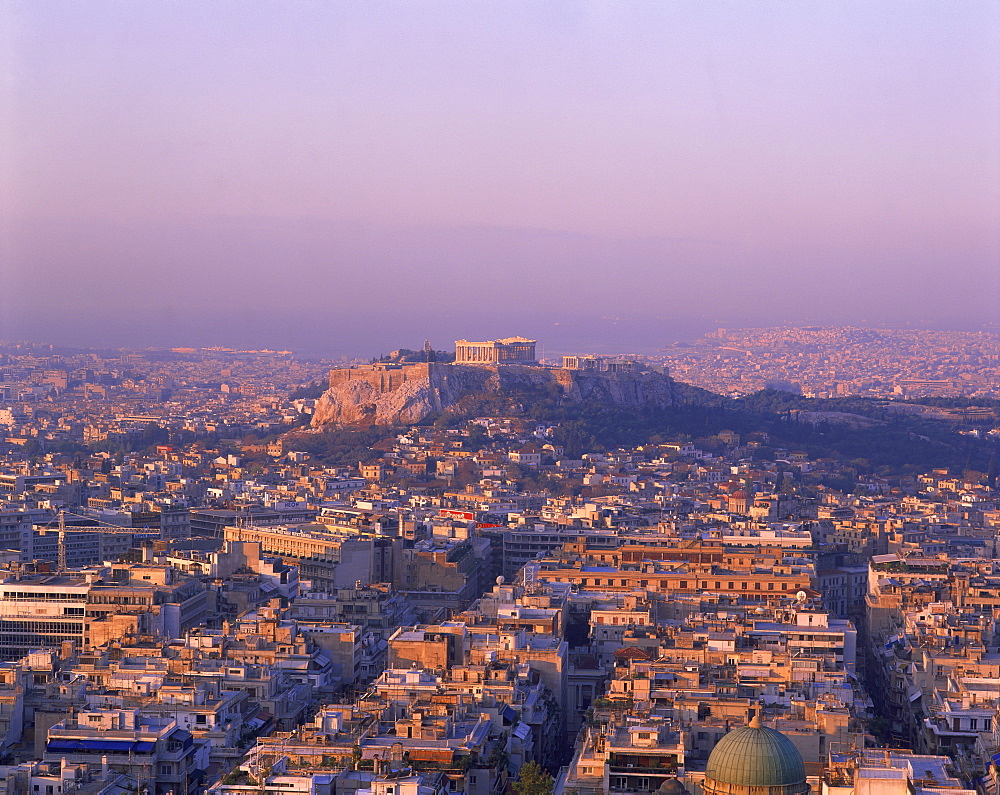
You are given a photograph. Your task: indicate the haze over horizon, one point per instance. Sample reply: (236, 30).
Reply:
(349, 178)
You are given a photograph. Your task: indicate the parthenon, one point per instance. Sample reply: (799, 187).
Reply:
(511, 350)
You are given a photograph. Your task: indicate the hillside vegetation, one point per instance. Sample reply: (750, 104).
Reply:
(869, 434)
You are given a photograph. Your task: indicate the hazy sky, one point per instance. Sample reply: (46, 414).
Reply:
(362, 175)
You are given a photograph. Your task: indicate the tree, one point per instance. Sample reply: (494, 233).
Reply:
(533, 780)
(311, 391)
(478, 437)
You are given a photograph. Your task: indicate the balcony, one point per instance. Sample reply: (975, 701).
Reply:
(640, 770)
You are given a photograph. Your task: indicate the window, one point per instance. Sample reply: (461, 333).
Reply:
(166, 770)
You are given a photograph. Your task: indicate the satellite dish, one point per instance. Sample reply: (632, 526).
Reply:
(800, 596)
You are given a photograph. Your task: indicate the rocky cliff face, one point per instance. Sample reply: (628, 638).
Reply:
(383, 395)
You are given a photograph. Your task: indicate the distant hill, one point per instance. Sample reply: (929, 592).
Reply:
(871, 435)
(381, 394)
(606, 410)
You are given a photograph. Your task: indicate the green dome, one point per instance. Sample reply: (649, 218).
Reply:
(756, 756)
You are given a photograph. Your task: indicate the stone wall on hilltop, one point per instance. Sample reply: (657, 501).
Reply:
(382, 394)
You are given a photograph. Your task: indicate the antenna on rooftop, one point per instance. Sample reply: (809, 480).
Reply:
(62, 541)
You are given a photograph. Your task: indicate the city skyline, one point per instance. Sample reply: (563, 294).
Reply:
(450, 398)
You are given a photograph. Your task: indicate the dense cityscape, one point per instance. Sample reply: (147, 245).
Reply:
(242, 572)
(827, 362)
(499, 398)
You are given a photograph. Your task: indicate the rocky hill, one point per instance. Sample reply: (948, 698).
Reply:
(387, 394)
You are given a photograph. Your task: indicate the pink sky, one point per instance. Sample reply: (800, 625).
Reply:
(766, 161)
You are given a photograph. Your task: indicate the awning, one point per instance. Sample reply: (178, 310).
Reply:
(509, 714)
(109, 745)
(182, 736)
(65, 745)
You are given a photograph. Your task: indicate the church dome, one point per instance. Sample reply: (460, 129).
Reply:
(755, 756)
(671, 786)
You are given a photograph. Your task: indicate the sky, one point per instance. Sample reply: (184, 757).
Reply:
(355, 177)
